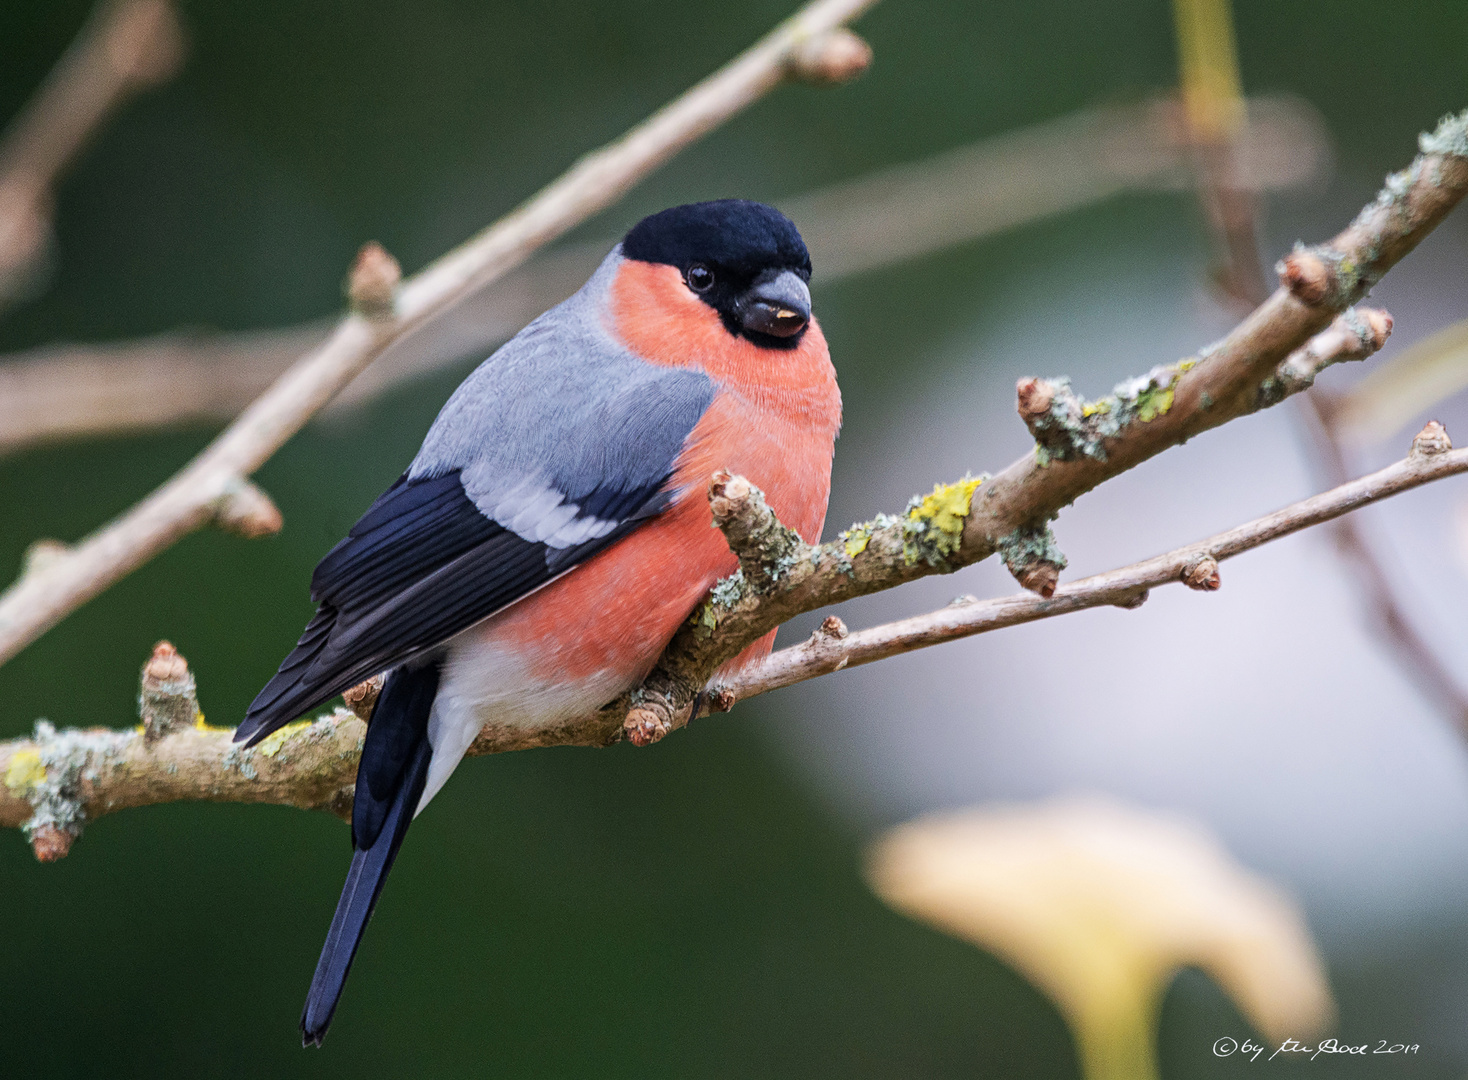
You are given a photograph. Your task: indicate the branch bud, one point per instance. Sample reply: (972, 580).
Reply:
(167, 700)
(42, 555)
(1041, 578)
(362, 698)
(1033, 557)
(718, 700)
(247, 511)
(1379, 324)
(831, 628)
(50, 842)
(1202, 574)
(373, 282)
(1306, 275)
(1033, 399)
(837, 56)
(1432, 439)
(644, 726)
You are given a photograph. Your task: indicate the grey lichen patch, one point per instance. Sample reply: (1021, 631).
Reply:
(1298, 371)
(1450, 137)
(1271, 392)
(1393, 199)
(726, 593)
(1025, 547)
(1072, 427)
(238, 758)
(1061, 432)
(50, 776)
(168, 705)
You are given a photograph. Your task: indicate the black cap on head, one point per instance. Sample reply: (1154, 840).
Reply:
(744, 259)
(735, 234)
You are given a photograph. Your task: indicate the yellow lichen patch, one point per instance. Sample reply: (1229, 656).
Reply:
(856, 541)
(1184, 366)
(947, 506)
(934, 526)
(25, 771)
(1091, 408)
(271, 744)
(1153, 403)
(705, 619)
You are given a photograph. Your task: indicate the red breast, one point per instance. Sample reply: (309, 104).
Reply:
(774, 420)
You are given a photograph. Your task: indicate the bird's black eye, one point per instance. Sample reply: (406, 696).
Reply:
(699, 277)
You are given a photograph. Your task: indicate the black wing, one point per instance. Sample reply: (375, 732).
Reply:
(421, 565)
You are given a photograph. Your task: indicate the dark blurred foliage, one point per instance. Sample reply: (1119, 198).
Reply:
(684, 911)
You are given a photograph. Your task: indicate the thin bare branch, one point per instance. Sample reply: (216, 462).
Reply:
(53, 782)
(1080, 444)
(1389, 616)
(41, 598)
(126, 46)
(69, 391)
(1196, 565)
(57, 781)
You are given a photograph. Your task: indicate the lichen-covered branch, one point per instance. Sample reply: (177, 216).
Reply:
(810, 45)
(1081, 444)
(832, 648)
(55, 782)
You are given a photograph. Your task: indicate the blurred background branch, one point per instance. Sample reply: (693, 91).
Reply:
(125, 47)
(1217, 114)
(1275, 353)
(898, 214)
(386, 312)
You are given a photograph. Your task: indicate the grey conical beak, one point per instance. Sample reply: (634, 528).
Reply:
(779, 306)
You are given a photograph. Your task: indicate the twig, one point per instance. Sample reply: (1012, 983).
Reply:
(67, 391)
(57, 781)
(1079, 445)
(126, 46)
(830, 648)
(1216, 108)
(1415, 654)
(42, 598)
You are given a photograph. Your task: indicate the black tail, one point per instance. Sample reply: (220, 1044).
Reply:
(390, 779)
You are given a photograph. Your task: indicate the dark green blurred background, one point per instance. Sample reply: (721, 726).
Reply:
(690, 910)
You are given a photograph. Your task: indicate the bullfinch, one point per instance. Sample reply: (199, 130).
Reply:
(554, 531)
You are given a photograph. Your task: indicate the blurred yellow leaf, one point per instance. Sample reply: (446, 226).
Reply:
(1209, 67)
(1100, 905)
(1406, 386)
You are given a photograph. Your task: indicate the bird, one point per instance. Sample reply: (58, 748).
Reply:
(553, 531)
